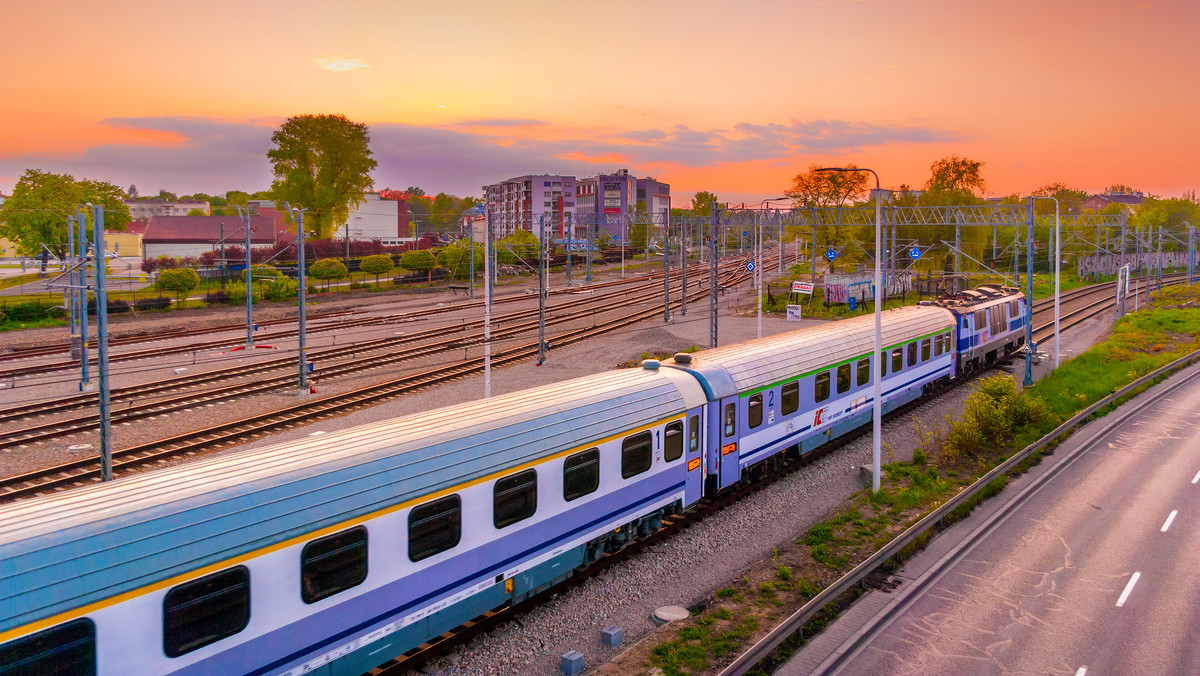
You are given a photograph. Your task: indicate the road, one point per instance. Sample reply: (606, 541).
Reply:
(1096, 573)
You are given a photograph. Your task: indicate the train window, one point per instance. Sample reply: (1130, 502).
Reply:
(694, 433)
(789, 401)
(515, 498)
(912, 354)
(333, 564)
(581, 474)
(938, 345)
(754, 411)
(66, 649)
(673, 441)
(843, 378)
(821, 387)
(434, 527)
(730, 420)
(206, 610)
(636, 454)
(864, 372)
(949, 342)
(925, 350)
(897, 359)
(882, 364)
(964, 321)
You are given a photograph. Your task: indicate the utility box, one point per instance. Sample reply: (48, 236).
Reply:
(572, 663)
(76, 346)
(611, 636)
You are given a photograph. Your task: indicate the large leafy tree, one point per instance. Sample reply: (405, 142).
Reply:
(324, 163)
(954, 180)
(443, 211)
(37, 212)
(824, 189)
(1070, 200)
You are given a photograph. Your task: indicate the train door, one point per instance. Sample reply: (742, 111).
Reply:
(694, 483)
(721, 441)
(730, 471)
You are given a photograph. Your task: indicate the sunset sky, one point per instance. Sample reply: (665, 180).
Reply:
(733, 97)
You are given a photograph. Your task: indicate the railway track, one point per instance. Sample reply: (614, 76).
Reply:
(10, 416)
(519, 322)
(125, 461)
(289, 333)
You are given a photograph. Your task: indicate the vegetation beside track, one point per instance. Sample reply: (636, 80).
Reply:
(997, 420)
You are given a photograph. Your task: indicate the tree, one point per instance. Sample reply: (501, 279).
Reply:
(442, 212)
(827, 188)
(179, 280)
(37, 212)
(522, 245)
(1070, 201)
(419, 260)
(328, 269)
(376, 265)
(955, 178)
(237, 197)
(457, 259)
(195, 212)
(166, 195)
(132, 192)
(702, 203)
(324, 163)
(1120, 189)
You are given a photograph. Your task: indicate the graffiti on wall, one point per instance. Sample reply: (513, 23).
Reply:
(841, 288)
(1107, 264)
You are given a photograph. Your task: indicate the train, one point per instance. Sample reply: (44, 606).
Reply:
(334, 554)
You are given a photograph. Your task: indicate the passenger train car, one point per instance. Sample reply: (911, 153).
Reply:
(334, 554)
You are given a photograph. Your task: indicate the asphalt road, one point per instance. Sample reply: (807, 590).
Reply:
(1097, 573)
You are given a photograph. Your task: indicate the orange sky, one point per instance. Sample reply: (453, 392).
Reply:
(730, 97)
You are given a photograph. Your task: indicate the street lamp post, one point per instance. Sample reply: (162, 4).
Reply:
(877, 386)
(1057, 277)
(298, 214)
(245, 216)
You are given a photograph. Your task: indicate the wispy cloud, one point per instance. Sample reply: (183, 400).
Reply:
(203, 154)
(339, 63)
(501, 122)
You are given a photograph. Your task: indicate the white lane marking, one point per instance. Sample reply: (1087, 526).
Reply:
(1196, 478)
(1081, 672)
(1128, 588)
(1167, 523)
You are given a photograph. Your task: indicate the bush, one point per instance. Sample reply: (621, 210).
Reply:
(328, 269)
(418, 261)
(157, 303)
(216, 297)
(379, 264)
(355, 286)
(179, 280)
(282, 289)
(33, 310)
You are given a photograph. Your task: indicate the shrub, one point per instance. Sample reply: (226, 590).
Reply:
(33, 310)
(282, 289)
(419, 261)
(179, 280)
(328, 269)
(379, 264)
(156, 303)
(457, 259)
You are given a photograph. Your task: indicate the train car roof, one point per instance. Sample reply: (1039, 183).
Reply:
(754, 364)
(64, 551)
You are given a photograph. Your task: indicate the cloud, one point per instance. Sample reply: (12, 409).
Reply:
(501, 122)
(339, 63)
(213, 156)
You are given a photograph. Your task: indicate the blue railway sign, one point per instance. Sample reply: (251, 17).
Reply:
(914, 253)
(831, 254)
(750, 266)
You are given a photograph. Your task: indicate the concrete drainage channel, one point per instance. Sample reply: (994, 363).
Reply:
(840, 591)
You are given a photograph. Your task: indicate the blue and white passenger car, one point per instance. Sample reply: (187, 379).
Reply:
(796, 390)
(333, 554)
